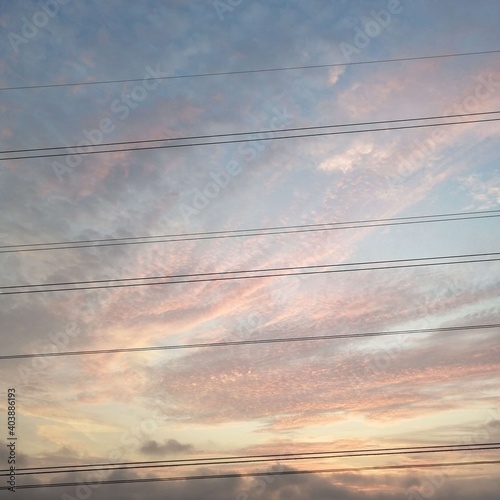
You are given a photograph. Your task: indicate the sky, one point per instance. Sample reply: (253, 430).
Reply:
(360, 393)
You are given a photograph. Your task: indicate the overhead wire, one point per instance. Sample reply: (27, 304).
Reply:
(256, 459)
(253, 132)
(250, 273)
(250, 71)
(255, 474)
(242, 233)
(234, 343)
(252, 139)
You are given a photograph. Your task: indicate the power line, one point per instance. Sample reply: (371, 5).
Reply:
(256, 139)
(241, 233)
(233, 343)
(272, 273)
(256, 474)
(249, 71)
(231, 278)
(324, 455)
(268, 455)
(245, 271)
(254, 132)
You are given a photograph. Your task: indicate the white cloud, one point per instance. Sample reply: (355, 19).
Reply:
(485, 192)
(335, 73)
(349, 159)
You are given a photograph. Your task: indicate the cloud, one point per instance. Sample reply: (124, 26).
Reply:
(355, 156)
(386, 386)
(169, 447)
(334, 74)
(484, 192)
